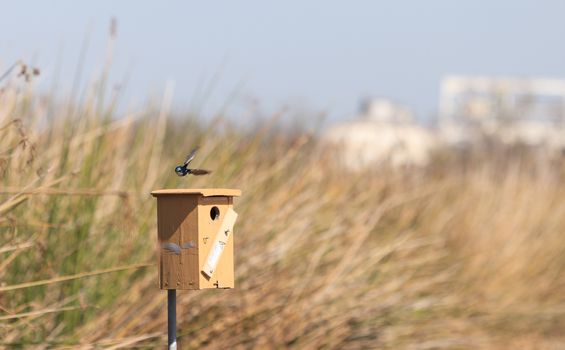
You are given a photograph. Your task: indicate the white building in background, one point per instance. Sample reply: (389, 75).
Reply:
(383, 132)
(512, 110)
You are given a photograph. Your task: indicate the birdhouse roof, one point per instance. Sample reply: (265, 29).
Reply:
(206, 192)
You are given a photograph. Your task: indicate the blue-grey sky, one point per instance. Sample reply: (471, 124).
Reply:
(315, 55)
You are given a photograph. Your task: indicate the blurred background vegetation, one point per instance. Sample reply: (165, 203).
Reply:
(465, 253)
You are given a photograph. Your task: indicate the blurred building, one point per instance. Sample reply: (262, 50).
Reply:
(529, 111)
(383, 131)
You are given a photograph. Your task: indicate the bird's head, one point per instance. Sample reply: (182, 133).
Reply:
(181, 170)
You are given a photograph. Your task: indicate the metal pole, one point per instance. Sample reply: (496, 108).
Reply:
(172, 318)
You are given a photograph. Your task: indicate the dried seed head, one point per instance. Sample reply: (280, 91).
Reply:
(113, 27)
(23, 70)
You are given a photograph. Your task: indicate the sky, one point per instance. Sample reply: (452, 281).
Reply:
(310, 55)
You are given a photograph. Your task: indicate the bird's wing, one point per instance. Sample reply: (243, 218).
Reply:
(199, 172)
(190, 156)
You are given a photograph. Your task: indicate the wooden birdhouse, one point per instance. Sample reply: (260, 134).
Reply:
(195, 231)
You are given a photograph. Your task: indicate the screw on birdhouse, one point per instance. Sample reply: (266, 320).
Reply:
(183, 170)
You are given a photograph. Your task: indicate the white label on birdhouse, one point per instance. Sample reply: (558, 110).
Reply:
(214, 257)
(222, 237)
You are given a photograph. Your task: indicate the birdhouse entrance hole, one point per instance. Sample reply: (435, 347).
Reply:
(214, 213)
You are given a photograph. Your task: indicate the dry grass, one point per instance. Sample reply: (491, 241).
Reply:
(461, 255)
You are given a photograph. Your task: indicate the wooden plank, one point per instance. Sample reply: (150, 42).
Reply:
(207, 227)
(177, 221)
(221, 239)
(206, 192)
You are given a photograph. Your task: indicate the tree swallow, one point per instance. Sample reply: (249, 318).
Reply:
(183, 170)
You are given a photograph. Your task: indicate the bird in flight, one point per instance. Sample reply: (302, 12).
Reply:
(183, 170)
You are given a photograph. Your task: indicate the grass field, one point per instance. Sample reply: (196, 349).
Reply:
(468, 253)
